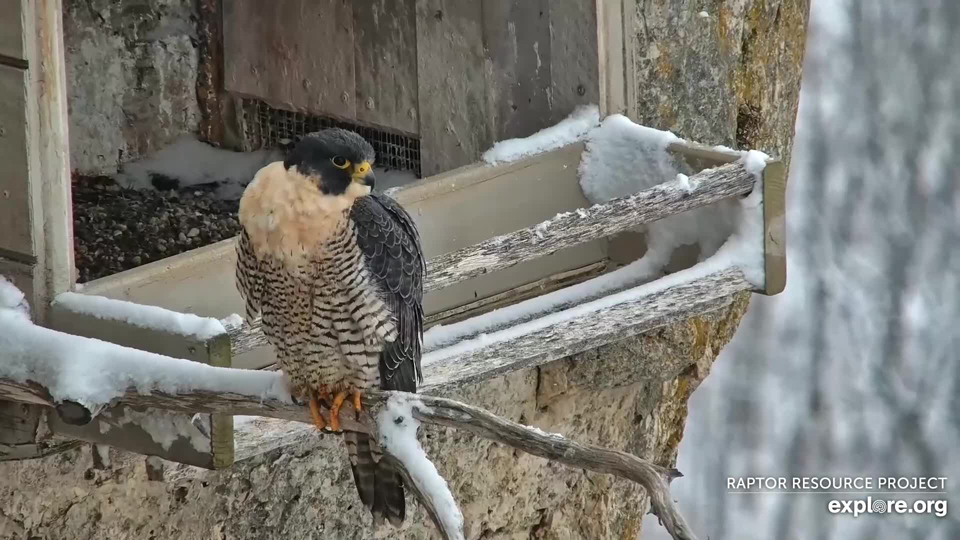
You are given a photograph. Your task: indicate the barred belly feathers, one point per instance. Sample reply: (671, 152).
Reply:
(336, 274)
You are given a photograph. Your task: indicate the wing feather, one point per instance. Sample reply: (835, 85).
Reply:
(390, 243)
(249, 276)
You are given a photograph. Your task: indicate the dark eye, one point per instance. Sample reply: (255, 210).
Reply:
(340, 162)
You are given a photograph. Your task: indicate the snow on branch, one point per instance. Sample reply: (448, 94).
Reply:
(398, 437)
(50, 368)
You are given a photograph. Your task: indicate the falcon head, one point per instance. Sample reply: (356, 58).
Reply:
(337, 161)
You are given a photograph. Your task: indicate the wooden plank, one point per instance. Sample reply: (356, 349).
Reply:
(519, 294)
(480, 203)
(385, 55)
(210, 99)
(125, 429)
(592, 329)
(574, 228)
(13, 26)
(574, 68)
(774, 228)
(516, 36)
(19, 426)
(18, 201)
(297, 53)
(455, 109)
(53, 148)
(610, 52)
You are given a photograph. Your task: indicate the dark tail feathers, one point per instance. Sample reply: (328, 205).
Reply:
(379, 485)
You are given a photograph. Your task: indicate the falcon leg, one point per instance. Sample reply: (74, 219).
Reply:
(315, 412)
(335, 410)
(356, 403)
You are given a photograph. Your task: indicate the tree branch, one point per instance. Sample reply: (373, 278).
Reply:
(431, 409)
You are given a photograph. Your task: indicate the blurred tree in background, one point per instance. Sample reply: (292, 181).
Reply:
(855, 369)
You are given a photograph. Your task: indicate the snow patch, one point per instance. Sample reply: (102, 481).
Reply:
(93, 372)
(163, 427)
(150, 317)
(10, 296)
(233, 321)
(13, 300)
(755, 162)
(192, 162)
(622, 158)
(398, 435)
(543, 433)
(567, 131)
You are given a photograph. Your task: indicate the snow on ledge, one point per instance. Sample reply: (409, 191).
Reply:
(398, 434)
(13, 300)
(94, 372)
(143, 316)
(192, 162)
(568, 131)
(743, 249)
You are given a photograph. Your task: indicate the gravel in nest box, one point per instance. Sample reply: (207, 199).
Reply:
(116, 229)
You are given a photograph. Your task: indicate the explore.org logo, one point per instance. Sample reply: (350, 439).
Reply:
(870, 495)
(870, 505)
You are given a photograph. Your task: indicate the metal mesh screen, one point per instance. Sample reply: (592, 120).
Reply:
(268, 127)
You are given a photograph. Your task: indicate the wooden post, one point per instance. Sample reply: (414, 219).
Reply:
(36, 248)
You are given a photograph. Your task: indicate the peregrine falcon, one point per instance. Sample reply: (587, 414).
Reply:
(336, 273)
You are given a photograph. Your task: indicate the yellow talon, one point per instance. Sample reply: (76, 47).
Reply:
(335, 410)
(315, 413)
(356, 403)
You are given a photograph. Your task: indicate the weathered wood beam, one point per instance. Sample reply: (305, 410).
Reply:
(435, 410)
(113, 328)
(19, 425)
(642, 308)
(646, 307)
(577, 227)
(561, 232)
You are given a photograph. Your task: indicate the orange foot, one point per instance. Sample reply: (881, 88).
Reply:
(315, 398)
(338, 402)
(315, 412)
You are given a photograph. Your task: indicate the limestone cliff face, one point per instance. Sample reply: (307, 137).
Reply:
(731, 77)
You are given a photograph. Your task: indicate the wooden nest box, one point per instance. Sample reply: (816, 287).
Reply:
(441, 82)
(435, 82)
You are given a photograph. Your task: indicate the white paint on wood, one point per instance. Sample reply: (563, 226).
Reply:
(49, 81)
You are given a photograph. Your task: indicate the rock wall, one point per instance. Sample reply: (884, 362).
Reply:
(730, 77)
(131, 76)
(719, 71)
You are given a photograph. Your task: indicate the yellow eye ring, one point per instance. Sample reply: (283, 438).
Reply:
(340, 162)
